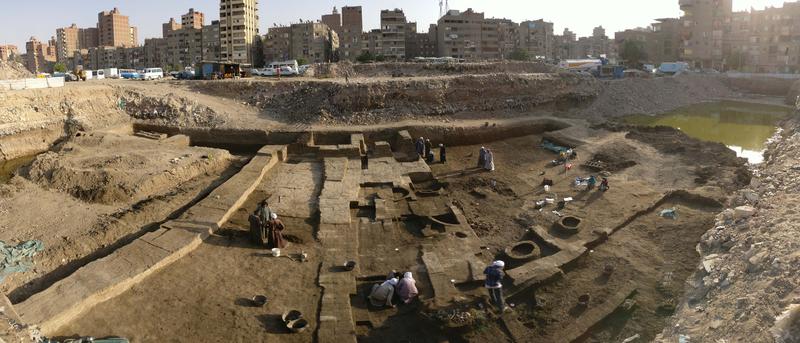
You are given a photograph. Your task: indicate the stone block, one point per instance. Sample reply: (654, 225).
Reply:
(744, 212)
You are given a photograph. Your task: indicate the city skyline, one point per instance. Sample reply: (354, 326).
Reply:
(272, 12)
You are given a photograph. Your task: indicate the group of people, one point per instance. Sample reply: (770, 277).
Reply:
(271, 224)
(424, 149)
(398, 288)
(591, 182)
(486, 159)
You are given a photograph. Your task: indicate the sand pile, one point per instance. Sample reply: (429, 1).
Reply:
(11, 70)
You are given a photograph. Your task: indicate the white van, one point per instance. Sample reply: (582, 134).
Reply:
(152, 74)
(89, 74)
(111, 73)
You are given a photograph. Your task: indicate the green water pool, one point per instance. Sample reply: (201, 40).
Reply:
(743, 127)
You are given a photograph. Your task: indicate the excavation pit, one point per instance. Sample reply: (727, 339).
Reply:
(523, 251)
(570, 224)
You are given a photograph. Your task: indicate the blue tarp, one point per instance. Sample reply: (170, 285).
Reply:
(553, 147)
(18, 259)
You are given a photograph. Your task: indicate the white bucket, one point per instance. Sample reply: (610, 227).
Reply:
(547, 188)
(276, 252)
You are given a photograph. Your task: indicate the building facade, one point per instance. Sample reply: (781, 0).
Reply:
(350, 34)
(393, 34)
(459, 34)
(238, 30)
(67, 42)
(536, 38)
(39, 56)
(705, 23)
(8, 52)
(333, 20)
(114, 29)
(498, 38)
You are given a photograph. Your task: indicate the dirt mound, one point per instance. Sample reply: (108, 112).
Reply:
(616, 156)
(392, 100)
(331, 70)
(411, 69)
(651, 96)
(110, 168)
(170, 109)
(12, 70)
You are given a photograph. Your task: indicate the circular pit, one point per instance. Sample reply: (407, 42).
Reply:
(523, 251)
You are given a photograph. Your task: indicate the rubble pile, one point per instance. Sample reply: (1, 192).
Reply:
(392, 100)
(12, 70)
(747, 285)
(170, 110)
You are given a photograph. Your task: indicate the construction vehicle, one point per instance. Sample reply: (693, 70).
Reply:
(80, 73)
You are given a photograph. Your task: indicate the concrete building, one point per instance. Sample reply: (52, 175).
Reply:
(169, 26)
(114, 29)
(211, 42)
(238, 30)
(278, 44)
(7, 52)
(88, 38)
(536, 38)
(350, 34)
(565, 46)
(667, 40)
(372, 42)
(498, 38)
(705, 23)
(67, 42)
(39, 56)
(333, 20)
(193, 19)
(459, 34)
(420, 44)
(313, 42)
(393, 34)
(597, 45)
(765, 41)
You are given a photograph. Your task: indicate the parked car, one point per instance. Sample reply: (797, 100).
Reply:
(302, 69)
(185, 75)
(285, 71)
(152, 74)
(130, 75)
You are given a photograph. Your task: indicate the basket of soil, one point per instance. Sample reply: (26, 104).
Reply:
(298, 325)
(291, 315)
(259, 300)
(570, 224)
(350, 265)
(523, 251)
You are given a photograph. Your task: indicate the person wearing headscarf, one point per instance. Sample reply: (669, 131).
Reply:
(407, 288)
(263, 212)
(442, 154)
(381, 294)
(482, 158)
(428, 149)
(276, 228)
(489, 164)
(494, 277)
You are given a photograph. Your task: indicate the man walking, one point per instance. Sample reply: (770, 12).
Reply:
(494, 277)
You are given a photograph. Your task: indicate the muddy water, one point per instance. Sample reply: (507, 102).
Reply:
(7, 168)
(743, 127)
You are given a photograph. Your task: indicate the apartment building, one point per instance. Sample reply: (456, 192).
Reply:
(460, 33)
(39, 56)
(114, 29)
(498, 38)
(7, 52)
(596, 45)
(393, 34)
(67, 42)
(171, 25)
(238, 30)
(333, 20)
(88, 38)
(666, 45)
(705, 23)
(193, 19)
(211, 49)
(350, 33)
(278, 44)
(565, 46)
(537, 39)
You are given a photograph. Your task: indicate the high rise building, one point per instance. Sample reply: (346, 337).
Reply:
(393, 34)
(7, 52)
(67, 42)
(169, 26)
(333, 20)
(350, 42)
(193, 19)
(460, 34)
(705, 23)
(39, 56)
(115, 30)
(238, 30)
(88, 38)
(211, 44)
(536, 38)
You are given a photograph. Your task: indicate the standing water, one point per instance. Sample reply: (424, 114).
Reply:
(743, 127)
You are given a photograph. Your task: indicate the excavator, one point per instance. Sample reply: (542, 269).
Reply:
(79, 73)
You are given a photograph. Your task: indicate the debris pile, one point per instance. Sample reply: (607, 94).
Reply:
(747, 284)
(12, 70)
(170, 110)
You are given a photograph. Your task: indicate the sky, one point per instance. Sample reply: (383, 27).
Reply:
(42, 17)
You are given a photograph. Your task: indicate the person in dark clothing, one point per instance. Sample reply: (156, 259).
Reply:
(494, 277)
(482, 157)
(276, 228)
(604, 185)
(442, 154)
(428, 149)
(420, 147)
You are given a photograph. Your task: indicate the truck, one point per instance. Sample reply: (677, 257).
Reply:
(582, 65)
(672, 68)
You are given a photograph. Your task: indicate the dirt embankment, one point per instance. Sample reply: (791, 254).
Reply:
(428, 69)
(170, 109)
(12, 70)
(653, 96)
(396, 99)
(747, 288)
(32, 120)
(764, 85)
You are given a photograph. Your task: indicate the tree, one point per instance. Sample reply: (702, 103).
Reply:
(302, 61)
(59, 68)
(519, 55)
(365, 57)
(633, 53)
(736, 60)
(380, 58)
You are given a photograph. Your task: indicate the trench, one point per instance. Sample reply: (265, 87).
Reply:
(9, 168)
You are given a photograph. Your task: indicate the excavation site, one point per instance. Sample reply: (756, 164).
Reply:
(377, 203)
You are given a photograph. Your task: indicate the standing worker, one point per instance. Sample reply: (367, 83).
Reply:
(489, 164)
(428, 149)
(276, 232)
(604, 185)
(494, 277)
(420, 147)
(482, 158)
(442, 154)
(263, 212)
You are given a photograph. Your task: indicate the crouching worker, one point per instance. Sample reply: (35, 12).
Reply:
(381, 294)
(407, 288)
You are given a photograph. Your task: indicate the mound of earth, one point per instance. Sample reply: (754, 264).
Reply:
(616, 156)
(170, 109)
(109, 168)
(12, 70)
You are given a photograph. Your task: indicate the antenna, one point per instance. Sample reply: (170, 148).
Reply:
(447, 5)
(441, 8)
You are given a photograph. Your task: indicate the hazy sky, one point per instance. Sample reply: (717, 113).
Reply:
(21, 19)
